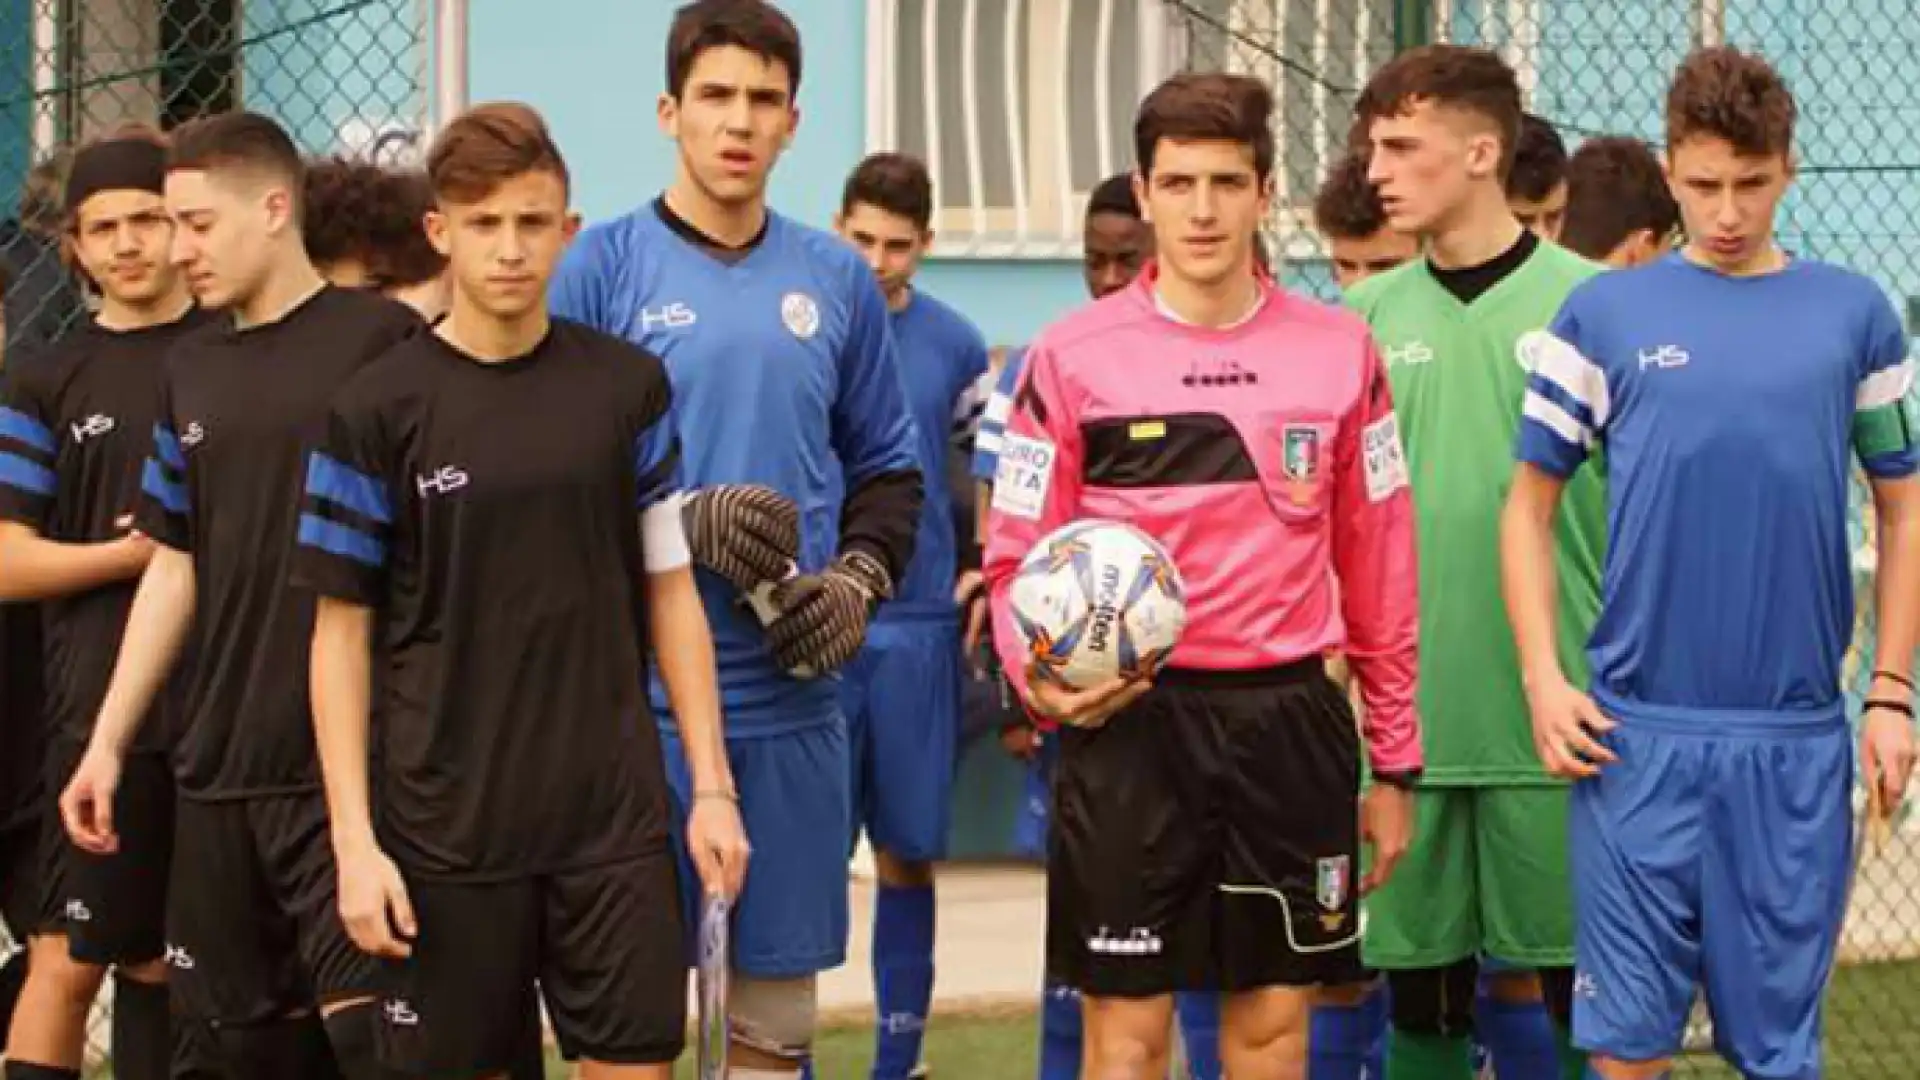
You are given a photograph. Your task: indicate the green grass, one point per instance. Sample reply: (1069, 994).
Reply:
(1870, 1036)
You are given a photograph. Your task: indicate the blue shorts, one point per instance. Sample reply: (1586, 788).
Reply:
(901, 697)
(1750, 813)
(791, 920)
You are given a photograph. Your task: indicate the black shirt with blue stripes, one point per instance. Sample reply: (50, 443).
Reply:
(490, 512)
(239, 411)
(79, 423)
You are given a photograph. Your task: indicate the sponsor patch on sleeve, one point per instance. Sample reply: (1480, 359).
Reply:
(1382, 457)
(1023, 477)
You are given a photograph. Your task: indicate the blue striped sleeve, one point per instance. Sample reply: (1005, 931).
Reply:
(166, 500)
(27, 457)
(347, 512)
(993, 418)
(1565, 412)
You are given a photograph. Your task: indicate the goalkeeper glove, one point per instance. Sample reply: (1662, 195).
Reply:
(822, 619)
(748, 534)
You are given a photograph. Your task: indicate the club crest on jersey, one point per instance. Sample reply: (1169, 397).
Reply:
(801, 314)
(1300, 461)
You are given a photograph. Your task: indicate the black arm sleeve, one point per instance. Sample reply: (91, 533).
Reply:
(881, 516)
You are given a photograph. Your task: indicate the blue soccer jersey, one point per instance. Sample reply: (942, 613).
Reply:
(941, 356)
(1727, 407)
(784, 374)
(993, 418)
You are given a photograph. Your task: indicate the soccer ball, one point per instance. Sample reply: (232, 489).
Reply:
(1097, 599)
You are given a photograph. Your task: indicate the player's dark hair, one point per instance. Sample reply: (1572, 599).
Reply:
(753, 25)
(1347, 207)
(357, 210)
(104, 161)
(896, 183)
(488, 145)
(1460, 77)
(1615, 187)
(1539, 160)
(240, 142)
(1207, 105)
(1721, 92)
(1114, 195)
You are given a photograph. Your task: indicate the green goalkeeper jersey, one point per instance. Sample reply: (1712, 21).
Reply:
(1457, 387)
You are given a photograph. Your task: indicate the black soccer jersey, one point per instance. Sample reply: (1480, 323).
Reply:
(492, 513)
(239, 411)
(87, 413)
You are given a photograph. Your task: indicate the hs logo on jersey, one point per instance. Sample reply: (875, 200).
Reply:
(1413, 352)
(193, 436)
(92, 427)
(445, 480)
(399, 1013)
(179, 958)
(674, 316)
(1665, 356)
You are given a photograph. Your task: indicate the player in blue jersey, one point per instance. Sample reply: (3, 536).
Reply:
(901, 695)
(786, 393)
(1729, 383)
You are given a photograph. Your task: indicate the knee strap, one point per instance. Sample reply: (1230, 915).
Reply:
(773, 1016)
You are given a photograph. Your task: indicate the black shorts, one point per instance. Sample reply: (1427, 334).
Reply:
(254, 930)
(112, 908)
(23, 878)
(605, 945)
(1207, 838)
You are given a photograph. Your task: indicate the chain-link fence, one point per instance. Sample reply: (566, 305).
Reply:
(1594, 67)
(344, 76)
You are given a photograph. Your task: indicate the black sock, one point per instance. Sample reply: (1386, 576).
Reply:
(293, 1047)
(530, 1060)
(351, 1032)
(13, 979)
(21, 1070)
(142, 1033)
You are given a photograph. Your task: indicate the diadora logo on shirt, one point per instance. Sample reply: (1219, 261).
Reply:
(674, 316)
(92, 427)
(1139, 941)
(1412, 352)
(445, 480)
(1663, 356)
(193, 435)
(1213, 371)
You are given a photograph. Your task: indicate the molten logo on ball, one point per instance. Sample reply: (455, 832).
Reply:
(1098, 599)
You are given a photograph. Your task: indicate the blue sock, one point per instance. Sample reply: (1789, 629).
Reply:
(902, 978)
(1519, 1036)
(1199, 1013)
(1376, 1021)
(1338, 1041)
(1059, 1033)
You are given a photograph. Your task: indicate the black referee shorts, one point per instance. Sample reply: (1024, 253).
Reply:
(1208, 838)
(254, 930)
(605, 943)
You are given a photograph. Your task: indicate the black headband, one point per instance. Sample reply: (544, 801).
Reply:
(116, 165)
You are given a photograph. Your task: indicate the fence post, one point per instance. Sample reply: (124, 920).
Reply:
(449, 61)
(1412, 24)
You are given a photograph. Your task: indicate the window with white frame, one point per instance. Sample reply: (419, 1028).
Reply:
(1018, 107)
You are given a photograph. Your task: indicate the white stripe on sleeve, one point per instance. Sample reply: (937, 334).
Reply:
(663, 537)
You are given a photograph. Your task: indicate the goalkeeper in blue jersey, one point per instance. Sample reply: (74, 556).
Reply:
(786, 397)
(1730, 383)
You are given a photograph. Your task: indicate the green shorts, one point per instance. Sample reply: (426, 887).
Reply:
(1486, 875)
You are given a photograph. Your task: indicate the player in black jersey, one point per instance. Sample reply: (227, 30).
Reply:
(253, 933)
(365, 229)
(79, 421)
(498, 507)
